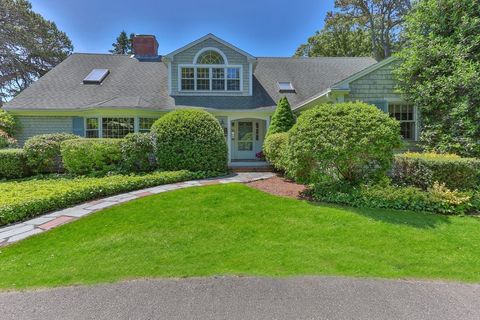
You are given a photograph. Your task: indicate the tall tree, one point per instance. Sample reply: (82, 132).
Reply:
(359, 28)
(384, 20)
(440, 73)
(123, 44)
(340, 37)
(29, 46)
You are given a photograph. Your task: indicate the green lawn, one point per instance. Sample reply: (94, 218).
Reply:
(236, 230)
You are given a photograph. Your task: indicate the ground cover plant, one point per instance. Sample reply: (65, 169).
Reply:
(20, 200)
(212, 230)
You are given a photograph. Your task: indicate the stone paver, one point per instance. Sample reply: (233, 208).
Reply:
(55, 223)
(17, 232)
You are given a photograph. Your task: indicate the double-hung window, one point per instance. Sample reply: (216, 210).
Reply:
(91, 128)
(406, 115)
(204, 78)
(145, 124)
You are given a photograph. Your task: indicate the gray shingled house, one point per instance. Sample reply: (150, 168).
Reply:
(109, 96)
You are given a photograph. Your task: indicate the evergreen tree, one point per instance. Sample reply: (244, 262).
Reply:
(283, 118)
(123, 44)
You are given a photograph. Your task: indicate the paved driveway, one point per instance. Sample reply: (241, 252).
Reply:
(249, 298)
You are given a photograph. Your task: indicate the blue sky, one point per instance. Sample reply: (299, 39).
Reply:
(260, 27)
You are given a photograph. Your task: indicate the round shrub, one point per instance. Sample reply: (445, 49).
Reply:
(353, 142)
(43, 152)
(86, 156)
(191, 140)
(12, 164)
(275, 147)
(139, 152)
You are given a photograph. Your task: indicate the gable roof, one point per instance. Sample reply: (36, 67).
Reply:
(132, 83)
(214, 37)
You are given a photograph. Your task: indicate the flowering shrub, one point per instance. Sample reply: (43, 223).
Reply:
(138, 152)
(260, 155)
(8, 123)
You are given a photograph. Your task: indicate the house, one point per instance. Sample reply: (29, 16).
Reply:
(109, 96)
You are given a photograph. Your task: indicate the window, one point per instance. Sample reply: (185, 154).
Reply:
(210, 57)
(188, 79)
(145, 124)
(91, 128)
(210, 72)
(405, 114)
(203, 79)
(96, 76)
(233, 79)
(210, 79)
(218, 79)
(285, 86)
(117, 127)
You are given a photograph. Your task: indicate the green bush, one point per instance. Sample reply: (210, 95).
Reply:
(12, 164)
(283, 118)
(423, 169)
(353, 142)
(8, 123)
(437, 199)
(274, 148)
(139, 152)
(43, 152)
(6, 141)
(190, 140)
(20, 200)
(87, 156)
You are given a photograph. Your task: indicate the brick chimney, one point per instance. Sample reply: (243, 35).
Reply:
(145, 46)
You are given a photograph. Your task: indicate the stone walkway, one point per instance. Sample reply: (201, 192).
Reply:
(20, 231)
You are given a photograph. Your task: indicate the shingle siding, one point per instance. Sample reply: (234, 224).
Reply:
(31, 126)
(233, 57)
(377, 85)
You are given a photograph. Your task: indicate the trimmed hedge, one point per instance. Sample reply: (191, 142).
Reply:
(423, 169)
(139, 152)
(437, 199)
(20, 200)
(43, 152)
(86, 156)
(351, 141)
(275, 148)
(12, 164)
(190, 140)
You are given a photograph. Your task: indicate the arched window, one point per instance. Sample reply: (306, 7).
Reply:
(210, 71)
(210, 57)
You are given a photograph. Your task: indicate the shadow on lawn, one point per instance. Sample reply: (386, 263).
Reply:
(419, 220)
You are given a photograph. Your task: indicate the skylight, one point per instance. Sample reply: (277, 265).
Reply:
(96, 76)
(285, 86)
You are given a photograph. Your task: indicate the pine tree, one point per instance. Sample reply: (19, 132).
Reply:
(123, 45)
(283, 118)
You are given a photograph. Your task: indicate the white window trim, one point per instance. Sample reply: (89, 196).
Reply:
(415, 117)
(210, 67)
(136, 123)
(220, 52)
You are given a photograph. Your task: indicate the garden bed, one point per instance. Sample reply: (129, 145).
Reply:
(279, 186)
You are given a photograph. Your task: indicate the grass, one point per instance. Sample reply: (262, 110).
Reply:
(236, 230)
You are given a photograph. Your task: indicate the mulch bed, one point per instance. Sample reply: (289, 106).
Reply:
(279, 186)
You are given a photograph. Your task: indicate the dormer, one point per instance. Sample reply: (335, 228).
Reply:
(210, 66)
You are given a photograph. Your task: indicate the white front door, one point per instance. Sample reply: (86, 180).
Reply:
(244, 142)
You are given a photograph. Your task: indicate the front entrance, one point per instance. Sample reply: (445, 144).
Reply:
(247, 138)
